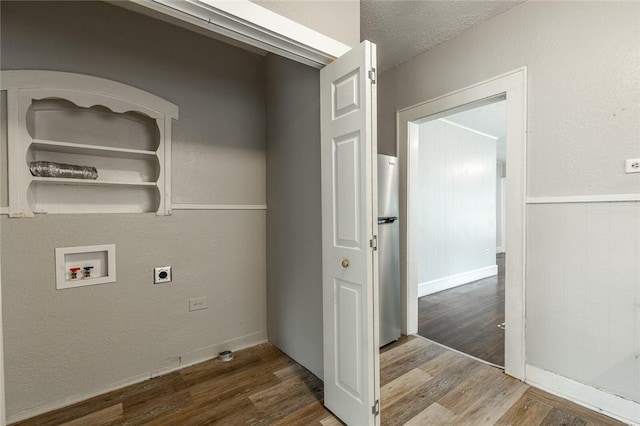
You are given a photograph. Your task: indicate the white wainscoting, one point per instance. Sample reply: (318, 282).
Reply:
(434, 286)
(583, 297)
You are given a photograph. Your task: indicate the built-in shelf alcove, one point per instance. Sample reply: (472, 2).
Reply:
(121, 131)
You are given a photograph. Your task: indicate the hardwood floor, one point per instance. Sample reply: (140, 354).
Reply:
(421, 384)
(466, 318)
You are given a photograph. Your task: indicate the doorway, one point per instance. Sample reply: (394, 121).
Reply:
(460, 253)
(512, 87)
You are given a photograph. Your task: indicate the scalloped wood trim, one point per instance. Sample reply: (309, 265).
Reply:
(87, 84)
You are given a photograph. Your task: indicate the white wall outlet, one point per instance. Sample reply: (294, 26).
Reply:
(632, 165)
(197, 304)
(162, 274)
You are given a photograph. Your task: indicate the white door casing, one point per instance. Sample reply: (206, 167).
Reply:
(513, 85)
(349, 262)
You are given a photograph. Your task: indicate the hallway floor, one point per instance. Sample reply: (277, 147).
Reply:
(466, 317)
(421, 384)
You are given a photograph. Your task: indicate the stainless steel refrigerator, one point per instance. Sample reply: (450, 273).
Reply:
(388, 249)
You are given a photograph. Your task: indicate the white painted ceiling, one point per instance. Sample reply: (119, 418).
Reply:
(403, 29)
(490, 119)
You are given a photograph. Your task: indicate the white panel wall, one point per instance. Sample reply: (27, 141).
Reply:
(457, 204)
(583, 293)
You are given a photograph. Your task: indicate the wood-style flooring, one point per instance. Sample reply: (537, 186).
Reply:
(421, 384)
(466, 317)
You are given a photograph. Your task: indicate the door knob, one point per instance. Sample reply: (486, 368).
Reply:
(345, 263)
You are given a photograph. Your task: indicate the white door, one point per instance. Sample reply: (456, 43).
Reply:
(349, 225)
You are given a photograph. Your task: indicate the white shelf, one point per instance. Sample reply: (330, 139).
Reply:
(97, 182)
(129, 143)
(84, 149)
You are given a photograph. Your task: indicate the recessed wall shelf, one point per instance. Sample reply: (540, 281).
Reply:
(104, 151)
(98, 182)
(122, 131)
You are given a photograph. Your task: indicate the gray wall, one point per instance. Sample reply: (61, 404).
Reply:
(65, 345)
(583, 62)
(294, 225)
(339, 20)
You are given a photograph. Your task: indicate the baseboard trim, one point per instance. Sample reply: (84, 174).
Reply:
(430, 287)
(174, 364)
(604, 198)
(595, 399)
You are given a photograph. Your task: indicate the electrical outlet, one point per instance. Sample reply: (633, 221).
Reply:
(197, 304)
(632, 165)
(162, 274)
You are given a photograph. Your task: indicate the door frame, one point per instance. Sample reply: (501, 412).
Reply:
(244, 24)
(514, 86)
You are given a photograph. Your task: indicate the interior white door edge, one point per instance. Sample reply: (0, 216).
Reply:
(513, 85)
(349, 228)
(2, 393)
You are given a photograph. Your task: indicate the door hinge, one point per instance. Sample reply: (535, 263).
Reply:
(376, 408)
(372, 75)
(373, 242)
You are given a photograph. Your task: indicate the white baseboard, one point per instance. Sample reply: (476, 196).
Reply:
(174, 364)
(452, 281)
(604, 198)
(595, 399)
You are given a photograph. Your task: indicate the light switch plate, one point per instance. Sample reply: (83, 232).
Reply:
(162, 274)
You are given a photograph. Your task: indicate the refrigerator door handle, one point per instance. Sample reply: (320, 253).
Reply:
(385, 220)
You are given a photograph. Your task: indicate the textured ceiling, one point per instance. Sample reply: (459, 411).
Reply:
(403, 29)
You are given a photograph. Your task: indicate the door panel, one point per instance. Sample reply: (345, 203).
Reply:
(346, 182)
(346, 94)
(348, 325)
(351, 359)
